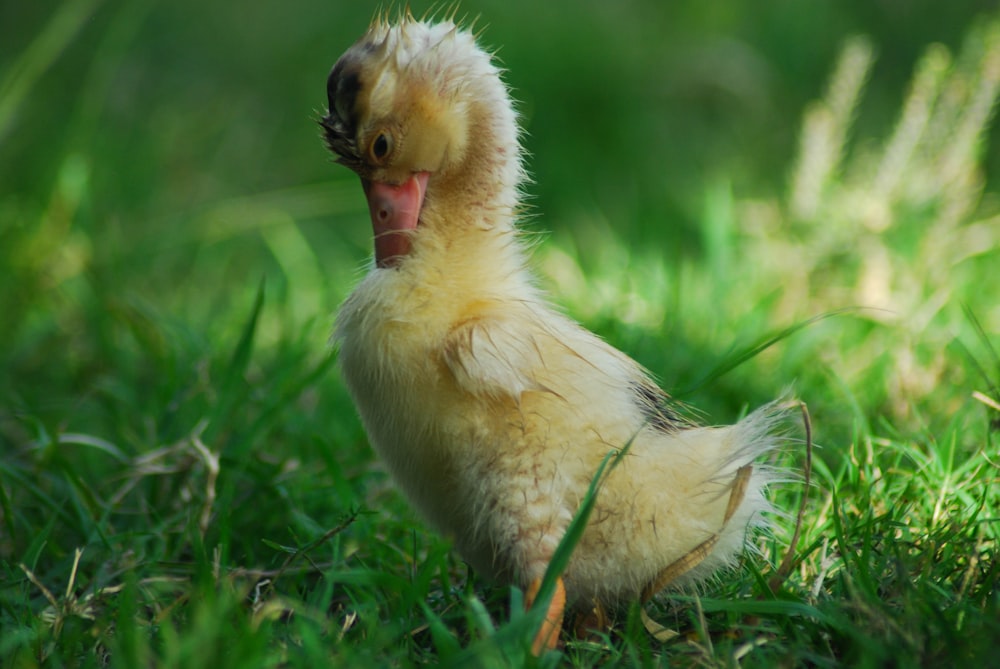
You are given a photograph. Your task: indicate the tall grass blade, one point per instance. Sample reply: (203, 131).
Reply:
(563, 552)
(741, 356)
(993, 382)
(60, 31)
(233, 387)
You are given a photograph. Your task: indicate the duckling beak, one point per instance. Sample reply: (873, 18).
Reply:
(395, 212)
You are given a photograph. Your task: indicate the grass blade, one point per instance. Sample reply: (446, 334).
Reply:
(563, 552)
(233, 387)
(60, 31)
(740, 356)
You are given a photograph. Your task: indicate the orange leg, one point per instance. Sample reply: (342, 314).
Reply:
(548, 635)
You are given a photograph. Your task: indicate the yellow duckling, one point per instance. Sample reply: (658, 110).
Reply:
(492, 410)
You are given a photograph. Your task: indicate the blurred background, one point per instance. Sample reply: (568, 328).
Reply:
(747, 197)
(159, 159)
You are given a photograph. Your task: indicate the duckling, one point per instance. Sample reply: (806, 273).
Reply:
(491, 409)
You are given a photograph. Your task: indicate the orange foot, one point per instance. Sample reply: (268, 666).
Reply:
(548, 634)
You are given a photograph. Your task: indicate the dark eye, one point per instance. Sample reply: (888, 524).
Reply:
(380, 146)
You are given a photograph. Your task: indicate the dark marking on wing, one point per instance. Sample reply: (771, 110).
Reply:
(656, 406)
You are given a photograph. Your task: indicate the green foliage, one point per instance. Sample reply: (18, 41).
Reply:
(183, 481)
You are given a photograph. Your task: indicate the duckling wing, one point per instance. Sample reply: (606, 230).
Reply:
(494, 357)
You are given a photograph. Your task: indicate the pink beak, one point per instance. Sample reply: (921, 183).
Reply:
(395, 212)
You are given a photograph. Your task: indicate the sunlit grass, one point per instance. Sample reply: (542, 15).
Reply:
(183, 480)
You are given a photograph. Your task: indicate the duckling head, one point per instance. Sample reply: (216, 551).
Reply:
(419, 112)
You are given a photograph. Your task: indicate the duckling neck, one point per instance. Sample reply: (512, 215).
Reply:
(492, 171)
(471, 207)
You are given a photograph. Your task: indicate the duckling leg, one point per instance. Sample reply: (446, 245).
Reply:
(548, 634)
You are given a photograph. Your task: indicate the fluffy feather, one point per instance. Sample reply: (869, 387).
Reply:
(491, 409)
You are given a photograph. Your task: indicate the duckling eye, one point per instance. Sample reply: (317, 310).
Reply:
(380, 146)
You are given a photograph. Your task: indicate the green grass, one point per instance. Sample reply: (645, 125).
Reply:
(183, 480)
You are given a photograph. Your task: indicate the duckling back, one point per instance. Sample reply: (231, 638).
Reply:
(682, 504)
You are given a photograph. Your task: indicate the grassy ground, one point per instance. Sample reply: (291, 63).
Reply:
(183, 481)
